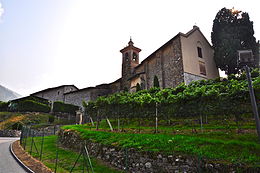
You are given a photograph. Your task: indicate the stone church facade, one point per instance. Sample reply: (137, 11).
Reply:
(184, 58)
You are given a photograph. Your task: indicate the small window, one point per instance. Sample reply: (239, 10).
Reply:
(58, 92)
(199, 52)
(202, 68)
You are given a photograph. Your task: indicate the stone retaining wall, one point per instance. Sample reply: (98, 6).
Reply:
(139, 161)
(10, 133)
(47, 131)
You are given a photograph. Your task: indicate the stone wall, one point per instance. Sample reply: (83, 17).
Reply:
(166, 63)
(115, 86)
(188, 78)
(10, 133)
(52, 95)
(136, 161)
(173, 64)
(154, 68)
(86, 95)
(77, 97)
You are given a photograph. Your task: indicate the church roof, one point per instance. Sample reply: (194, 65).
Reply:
(48, 89)
(195, 28)
(101, 86)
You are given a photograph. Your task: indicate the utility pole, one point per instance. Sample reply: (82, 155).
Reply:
(246, 58)
(253, 101)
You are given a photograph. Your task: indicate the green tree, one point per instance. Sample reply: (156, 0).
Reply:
(232, 30)
(156, 83)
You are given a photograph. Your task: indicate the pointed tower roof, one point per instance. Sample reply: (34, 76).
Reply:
(130, 46)
(130, 43)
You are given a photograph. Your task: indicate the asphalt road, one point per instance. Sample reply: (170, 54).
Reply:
(7, 163)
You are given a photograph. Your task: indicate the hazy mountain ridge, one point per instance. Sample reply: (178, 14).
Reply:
(7, 94)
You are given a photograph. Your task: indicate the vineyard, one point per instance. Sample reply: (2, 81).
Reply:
(227, 97)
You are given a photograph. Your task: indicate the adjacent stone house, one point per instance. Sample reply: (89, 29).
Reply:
(91, 93)
(184, 58)
(55, 93)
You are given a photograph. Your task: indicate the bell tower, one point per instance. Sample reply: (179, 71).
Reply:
(130, 59)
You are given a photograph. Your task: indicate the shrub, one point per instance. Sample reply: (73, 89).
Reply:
(32, 106)
(3, 106)
(17, 126)
(65, 108)
(51, 119)
(255, 73)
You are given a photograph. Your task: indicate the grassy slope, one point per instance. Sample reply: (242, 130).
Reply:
(220, 145)
(38, 119)
(66, 157)
(228, 123)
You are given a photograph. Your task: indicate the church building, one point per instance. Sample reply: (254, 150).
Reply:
(184, 58)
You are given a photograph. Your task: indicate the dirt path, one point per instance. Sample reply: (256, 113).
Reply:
(28, 160)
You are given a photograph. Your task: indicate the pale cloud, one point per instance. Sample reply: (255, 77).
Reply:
(1, 10)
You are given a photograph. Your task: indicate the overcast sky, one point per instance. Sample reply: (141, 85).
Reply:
(46, 43)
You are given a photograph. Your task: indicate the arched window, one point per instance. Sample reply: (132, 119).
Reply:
(134, 56)
(156, 83)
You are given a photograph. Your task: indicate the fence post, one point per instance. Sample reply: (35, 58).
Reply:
(57, 156)
(156, 117)
(42, 144)
(32, 143)
(26, 135)
(90, 164)
(76, 161)
(54, 130)
(21, 138)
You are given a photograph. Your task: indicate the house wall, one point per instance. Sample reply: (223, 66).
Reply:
(69, 89)
(76, 98)
(115, 87)
(55, 94)
(191, 60)
(52, 95)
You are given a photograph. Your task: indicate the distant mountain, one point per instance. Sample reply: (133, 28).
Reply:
(6, 94)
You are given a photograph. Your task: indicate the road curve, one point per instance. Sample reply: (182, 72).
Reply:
(7, 162)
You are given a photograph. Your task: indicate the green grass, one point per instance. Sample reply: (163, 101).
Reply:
(226, 148)
(66, 157)
(179, 124)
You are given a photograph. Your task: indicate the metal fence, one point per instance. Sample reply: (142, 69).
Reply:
(34, 140)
